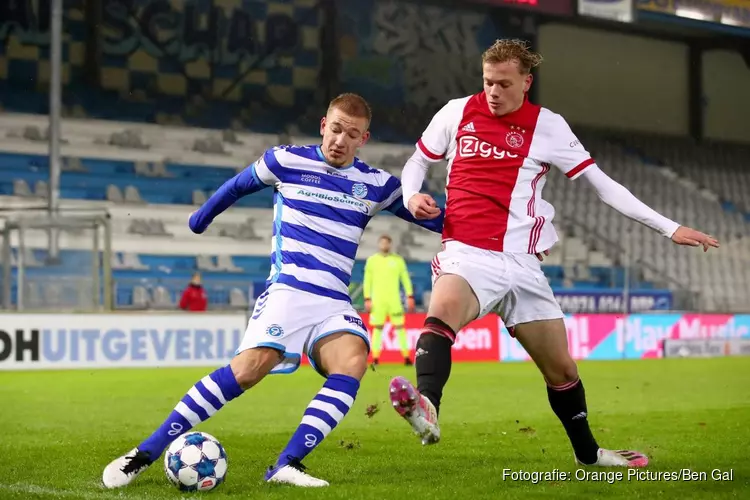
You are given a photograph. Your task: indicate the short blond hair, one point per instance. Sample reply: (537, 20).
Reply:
(352, 104)
(512, 50)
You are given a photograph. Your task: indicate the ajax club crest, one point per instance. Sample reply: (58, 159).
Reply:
(514, 138)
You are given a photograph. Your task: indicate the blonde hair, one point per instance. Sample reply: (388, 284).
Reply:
(352, 104)
(510, 50)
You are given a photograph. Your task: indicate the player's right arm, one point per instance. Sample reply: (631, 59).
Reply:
(430, 149)
(254, 178)
(367, 284)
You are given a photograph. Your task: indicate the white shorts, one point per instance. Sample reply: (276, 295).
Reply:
(292, 321)
(511, 284)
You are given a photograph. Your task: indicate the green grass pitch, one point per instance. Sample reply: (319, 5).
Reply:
(61, 428)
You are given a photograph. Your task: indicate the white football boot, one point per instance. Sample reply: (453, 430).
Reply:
(618, 458)
(416, 409)
(293, 473)
(123, 470)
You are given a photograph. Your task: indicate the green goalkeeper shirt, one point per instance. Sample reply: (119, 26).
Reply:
(384, 273)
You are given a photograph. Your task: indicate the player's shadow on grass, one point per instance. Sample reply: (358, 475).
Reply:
(146, 481)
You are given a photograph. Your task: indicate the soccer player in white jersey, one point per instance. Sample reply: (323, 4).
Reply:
(499, 148)
(324, 198)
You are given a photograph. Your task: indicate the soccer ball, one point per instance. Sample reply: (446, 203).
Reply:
(196, 461)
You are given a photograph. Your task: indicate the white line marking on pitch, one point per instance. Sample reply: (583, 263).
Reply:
(33, 489)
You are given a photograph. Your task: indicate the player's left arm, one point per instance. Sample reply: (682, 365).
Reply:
(254, 178)
(618, 197)
(569, 155)
(394, 203)
(407, 284)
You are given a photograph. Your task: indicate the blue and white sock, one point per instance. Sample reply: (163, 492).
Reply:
(200, 403)
(322, 415)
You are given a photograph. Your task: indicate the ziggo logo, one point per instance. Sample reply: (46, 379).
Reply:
(469, 147)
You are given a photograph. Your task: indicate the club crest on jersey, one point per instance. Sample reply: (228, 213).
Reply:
(274, 331)
(359, 190)
(514, 138)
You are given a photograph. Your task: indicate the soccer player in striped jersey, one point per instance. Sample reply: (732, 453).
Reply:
(324, 197)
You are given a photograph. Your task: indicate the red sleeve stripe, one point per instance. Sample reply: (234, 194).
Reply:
(429, 154)
(580, 168)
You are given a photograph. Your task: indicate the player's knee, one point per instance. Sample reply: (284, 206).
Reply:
(342, 354)
(562, 372)
(455, 306)
(449, 309)
(250, 366)
(354, 366)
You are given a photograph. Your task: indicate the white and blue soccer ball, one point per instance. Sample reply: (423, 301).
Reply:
(196, 461)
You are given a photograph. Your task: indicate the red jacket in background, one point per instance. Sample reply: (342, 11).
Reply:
(194, 298)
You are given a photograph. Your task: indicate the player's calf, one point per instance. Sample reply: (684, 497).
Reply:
(546, 342)
(452, 306)
(343, 357)
(433, 359)
(201, 402)
(568, 401)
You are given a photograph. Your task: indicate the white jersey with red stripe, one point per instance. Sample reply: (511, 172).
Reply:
(497, 168)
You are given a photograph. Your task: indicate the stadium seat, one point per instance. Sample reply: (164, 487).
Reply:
(237, 298)
(162, 298)
(141, 297)
(114, 194)
(224, 263)
(132, 195)
(72, 164)
(116, 262)
(199, 197)
(21, 188)
(41, 189)
(205, 263)
(132, 261)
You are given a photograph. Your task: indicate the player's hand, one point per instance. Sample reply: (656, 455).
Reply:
(690, 237)
(198, 226)
(411, 305)
(368, 305)
(423, 206)
(193, 225)
(542, 255)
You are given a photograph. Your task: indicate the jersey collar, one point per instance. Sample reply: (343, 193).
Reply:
(323, 158)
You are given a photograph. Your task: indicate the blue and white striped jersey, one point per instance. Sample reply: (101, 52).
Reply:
(320, 213)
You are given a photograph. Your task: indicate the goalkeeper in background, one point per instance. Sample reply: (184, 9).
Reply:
(384, 272)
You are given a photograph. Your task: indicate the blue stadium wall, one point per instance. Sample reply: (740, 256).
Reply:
(250, 63)
(162, 59)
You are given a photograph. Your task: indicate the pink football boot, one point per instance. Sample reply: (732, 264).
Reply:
(416, 409)
(619, 458)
